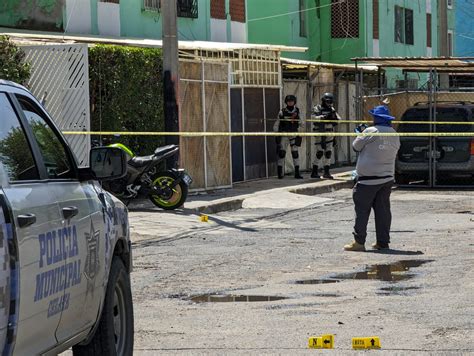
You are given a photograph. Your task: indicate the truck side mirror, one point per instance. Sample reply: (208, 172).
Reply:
(108, 163)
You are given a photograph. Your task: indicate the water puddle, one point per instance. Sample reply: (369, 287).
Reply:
(397, 290)
(229, 298)
(393, 272)
(317, 281)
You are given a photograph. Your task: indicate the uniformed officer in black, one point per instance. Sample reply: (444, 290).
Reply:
(324, 144)
(288, 121)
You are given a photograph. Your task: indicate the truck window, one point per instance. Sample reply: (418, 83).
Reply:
(15, 152)
(446, 114)
(54, 154)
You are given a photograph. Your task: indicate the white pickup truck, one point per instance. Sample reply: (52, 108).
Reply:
(65, 257)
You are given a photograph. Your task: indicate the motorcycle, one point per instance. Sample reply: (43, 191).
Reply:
(166, 189)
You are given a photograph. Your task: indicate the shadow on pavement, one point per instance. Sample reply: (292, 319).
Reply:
(230, 225)
(396, 252)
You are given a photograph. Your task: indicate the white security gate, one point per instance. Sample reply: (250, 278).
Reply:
(60, 78)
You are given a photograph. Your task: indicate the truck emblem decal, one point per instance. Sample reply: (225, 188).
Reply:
(92, 264)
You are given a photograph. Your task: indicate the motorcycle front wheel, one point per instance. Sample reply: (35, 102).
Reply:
(171, 198)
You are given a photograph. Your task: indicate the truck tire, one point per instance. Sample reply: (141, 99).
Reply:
(114, 335)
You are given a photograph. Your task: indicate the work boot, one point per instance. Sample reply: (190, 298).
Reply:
(280, 172)
(314, 173)
(354, 246)
(297, 173)
(380, 246)
(326, 173)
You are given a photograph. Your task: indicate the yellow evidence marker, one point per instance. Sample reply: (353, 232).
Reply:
(372, 342)
(321, 342)
(204, 218)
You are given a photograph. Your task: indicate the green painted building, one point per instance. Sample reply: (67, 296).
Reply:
(336, 31)
(198, 20)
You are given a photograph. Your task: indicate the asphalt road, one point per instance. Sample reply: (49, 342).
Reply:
(418, 297)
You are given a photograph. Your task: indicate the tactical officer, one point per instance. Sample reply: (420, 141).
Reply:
(288, 121)
(324, 144)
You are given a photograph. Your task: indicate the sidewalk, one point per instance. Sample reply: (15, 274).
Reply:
(234, 198)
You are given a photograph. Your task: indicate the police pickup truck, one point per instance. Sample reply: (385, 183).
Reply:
(65, 257)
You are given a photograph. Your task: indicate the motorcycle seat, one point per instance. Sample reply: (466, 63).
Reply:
(165, 150)
(139, 162)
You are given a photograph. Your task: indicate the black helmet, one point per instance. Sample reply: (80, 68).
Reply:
(290, 98)
(327, 99)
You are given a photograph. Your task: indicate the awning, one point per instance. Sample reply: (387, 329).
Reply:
(45, 37)
(420, 64)
(290, 63)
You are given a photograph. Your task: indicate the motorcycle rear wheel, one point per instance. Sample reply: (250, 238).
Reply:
(174, 197)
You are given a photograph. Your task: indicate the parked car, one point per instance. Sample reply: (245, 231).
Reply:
(454, 155)
(65, 256)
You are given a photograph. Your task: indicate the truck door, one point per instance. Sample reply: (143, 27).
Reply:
(37, 227)
(82, 221)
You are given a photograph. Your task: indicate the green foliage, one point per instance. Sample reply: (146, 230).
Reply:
(127, 94)
(15, 153)
(12, 62)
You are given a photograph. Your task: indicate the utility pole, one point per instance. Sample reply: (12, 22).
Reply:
(170, 73)
(443, 38)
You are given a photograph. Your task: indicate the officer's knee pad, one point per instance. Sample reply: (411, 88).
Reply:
(294, 154)
(319, 154)
(328, 154)
(282, 153)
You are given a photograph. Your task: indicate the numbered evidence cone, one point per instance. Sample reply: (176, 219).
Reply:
(321, 342)
(372, 342)
(204, 218)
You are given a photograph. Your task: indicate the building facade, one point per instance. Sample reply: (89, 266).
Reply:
(198, 20)
(336, 31)
(464, 30)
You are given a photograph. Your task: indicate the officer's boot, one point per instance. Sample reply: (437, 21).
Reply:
(280, 172)
(326, 173)
(297, 173)
(314, 173)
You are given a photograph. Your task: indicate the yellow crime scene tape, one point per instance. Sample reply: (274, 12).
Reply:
(264, 134)
(393, 122)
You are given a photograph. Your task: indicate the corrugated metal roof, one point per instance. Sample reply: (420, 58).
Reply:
(451, 64)
(291, 63)
(23, 35)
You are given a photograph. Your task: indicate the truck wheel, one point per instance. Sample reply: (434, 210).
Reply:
(114, 335)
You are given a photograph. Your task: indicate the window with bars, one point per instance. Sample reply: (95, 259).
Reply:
(237, 10)
(404, 25)
(151, 5)
(188, 8)
(303, 31)
(218, 9)
(345, 19)
(185, 8)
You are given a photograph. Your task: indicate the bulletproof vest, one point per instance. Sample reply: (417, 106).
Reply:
(289, 126)
(322, 110)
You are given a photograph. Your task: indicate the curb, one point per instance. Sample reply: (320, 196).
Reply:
(235, 203)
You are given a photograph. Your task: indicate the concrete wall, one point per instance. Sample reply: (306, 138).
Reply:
(277, 22)
(41, 15)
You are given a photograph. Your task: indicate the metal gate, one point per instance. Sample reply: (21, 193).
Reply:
(60, 78)
(204, 105)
